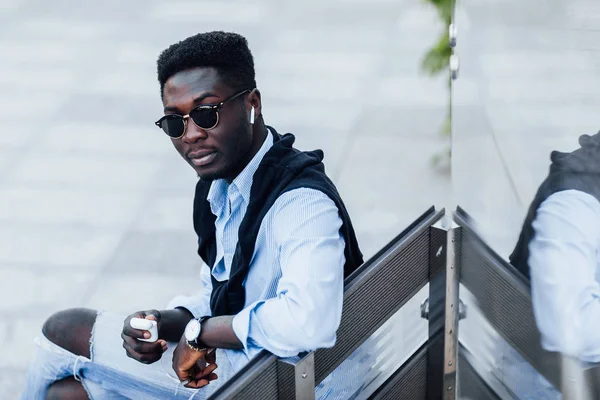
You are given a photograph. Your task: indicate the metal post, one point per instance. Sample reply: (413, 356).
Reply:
(296, 379)
(452, 306)
(442, 311)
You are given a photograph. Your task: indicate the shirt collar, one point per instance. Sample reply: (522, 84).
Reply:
(242, 182)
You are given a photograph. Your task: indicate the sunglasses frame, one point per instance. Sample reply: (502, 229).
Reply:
(185, 118)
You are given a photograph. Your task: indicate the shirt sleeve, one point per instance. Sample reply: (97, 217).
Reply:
(306, 311)
(563, 262)
(199, 304)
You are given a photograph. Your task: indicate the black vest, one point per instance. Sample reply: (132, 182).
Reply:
(578, 170)
(283, 168)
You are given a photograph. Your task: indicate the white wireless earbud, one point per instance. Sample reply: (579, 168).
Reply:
(252, 115)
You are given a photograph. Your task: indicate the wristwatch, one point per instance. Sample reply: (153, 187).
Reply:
(192, 333)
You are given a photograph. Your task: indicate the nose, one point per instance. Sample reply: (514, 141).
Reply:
(192, 132)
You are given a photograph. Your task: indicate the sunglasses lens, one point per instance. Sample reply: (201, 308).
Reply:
(173, 126)
(205, 118)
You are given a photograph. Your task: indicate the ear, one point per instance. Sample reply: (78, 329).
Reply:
(255, 102)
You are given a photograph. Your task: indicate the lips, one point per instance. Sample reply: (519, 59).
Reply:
(201, 157)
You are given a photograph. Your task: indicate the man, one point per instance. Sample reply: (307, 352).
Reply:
(271, 227)
(559, 251)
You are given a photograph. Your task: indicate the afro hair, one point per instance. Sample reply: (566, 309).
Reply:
(227, 52)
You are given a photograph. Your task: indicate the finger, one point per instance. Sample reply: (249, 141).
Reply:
(197, 384)
(163, 345)
(209, 369)
(203, 374)
(211, 356)
(153, 315)
(129, 331)
(133, 346)
(135, 333)
(143, 358)
(146, 347)
(212, 377)
(184, 375)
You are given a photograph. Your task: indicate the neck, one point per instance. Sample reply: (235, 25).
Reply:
(260, 132)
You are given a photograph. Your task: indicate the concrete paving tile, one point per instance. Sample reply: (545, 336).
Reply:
(57, 247)
(351, 14)
(106, 10)
(61, 28)
(386, 120)
(516, 14)
(418, 17)
(17, 105)
(137, 54)
(303, 117)
(310, 89)
(469, 121)
(133, 140)
(537, 64)
(413, 91)
(8, 158)
(15, 135)
(132, 82)
(41, 167)
(239, 12)
(34, 77)
(337, 64)
(174, 178)
(21, 348)
(525, 90)
(166, 213)
(83, 208)
(44, 51)
(8, 6)
(543, 120)
(3, 333)
(327, 38)
(171, 254)
(41, 288)
(381, 196)
(127, 293)
(118, 110)
(11, 383)
(583, 14)
(483, 186)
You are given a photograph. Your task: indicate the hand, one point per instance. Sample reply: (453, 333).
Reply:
(144, 352)
(195, 367)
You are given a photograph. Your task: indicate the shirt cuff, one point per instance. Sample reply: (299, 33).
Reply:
(189, 304)
(241, 325)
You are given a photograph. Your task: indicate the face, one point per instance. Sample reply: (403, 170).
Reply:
(220, 152)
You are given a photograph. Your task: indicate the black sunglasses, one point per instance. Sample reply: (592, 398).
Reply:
(204, 116)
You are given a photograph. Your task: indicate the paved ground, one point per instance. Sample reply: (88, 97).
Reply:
(529, 84)
(93, 199)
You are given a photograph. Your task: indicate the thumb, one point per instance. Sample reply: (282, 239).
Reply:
(153, 315)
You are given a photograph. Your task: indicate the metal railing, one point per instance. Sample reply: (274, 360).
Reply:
(372, 295)
(423, 254)
(503, 298)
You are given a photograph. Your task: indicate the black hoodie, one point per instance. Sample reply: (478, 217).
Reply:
(578, 170)
(283, 168)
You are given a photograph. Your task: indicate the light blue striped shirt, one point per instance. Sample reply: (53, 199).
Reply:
(294, 287)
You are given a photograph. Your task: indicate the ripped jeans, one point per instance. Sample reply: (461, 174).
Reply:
(110, 374)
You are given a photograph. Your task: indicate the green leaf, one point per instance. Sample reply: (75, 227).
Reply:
(438, 58)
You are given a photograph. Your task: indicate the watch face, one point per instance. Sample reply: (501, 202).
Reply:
(192, 330)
